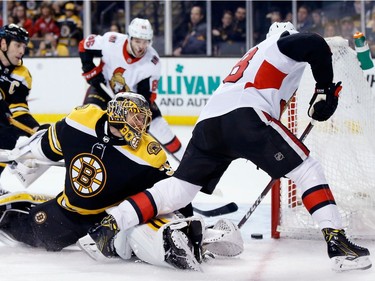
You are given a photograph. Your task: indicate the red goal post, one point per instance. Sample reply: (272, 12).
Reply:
(344, 145)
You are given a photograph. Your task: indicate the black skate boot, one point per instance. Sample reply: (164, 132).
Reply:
(345, 254)
(99, 243)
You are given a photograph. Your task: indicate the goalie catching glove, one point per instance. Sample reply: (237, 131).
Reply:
(324, 102)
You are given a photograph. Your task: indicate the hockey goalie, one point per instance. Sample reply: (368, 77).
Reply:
(108, 156)
(171, 241)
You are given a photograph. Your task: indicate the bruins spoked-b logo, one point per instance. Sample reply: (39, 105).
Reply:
(87, 175)
(40, 217)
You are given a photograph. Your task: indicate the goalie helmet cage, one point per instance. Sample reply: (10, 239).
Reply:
(344, 145)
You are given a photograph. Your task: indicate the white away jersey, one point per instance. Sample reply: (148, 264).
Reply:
(120, 70)
(264, 78)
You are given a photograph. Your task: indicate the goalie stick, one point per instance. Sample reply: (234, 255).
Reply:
(272, 182)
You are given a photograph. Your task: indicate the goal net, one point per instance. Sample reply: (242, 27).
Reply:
(345, 147)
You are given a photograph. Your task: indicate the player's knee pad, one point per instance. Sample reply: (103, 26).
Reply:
(164, 241)
(223, 239)
(308, 174)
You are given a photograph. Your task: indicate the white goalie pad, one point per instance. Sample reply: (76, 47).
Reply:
(146, 241)
(223, 239)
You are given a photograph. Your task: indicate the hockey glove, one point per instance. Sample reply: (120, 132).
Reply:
(94, 77)
(4, 112)
(324, 102)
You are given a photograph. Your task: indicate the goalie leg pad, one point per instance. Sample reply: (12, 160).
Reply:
(164, 241)
(223, 239)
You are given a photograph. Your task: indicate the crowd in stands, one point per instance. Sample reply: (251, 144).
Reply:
(55, 27)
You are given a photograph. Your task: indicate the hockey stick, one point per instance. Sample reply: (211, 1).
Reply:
(223, 210)
(21, 126)
(272, 182)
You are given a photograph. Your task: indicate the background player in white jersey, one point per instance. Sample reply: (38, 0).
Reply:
(127, 63)
(241, 120)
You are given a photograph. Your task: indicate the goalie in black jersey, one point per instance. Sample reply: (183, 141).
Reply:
(108, 157)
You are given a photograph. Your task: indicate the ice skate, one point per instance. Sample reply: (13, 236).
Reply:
(344, 254)
(99, 243)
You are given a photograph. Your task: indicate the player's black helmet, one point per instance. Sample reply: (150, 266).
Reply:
(14, 32)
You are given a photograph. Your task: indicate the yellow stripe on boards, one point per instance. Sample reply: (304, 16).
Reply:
(172, 120)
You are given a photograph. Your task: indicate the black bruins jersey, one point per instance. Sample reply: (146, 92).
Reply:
(15, 85)
(101, 171)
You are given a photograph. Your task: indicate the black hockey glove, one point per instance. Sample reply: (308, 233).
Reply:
(4, 112)
(324, 102)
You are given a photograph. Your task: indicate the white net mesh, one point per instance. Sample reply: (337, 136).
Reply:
(345, 147)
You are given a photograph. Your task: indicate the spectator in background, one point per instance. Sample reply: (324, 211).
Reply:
(115, 28)
(50, 47)
(288, 17)
(304, 23)
(317, 22)
(330, 29)
(45, 23)
(224, 32)
(195, 40)
(274, 16)
(56, 7)
(21, 19)
(70, 29)
(239, 25)
(347, 29)
(32, 9)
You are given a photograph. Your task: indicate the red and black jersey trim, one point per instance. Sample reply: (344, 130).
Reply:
(144, 205)
(317, 197)
(173, 146)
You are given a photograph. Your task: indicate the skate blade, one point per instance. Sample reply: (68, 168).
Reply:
(342, 263)
(87, 244)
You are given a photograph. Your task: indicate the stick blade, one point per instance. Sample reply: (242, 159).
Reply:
(223, 210)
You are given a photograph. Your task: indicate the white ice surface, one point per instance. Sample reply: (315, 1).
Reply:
(266, 259)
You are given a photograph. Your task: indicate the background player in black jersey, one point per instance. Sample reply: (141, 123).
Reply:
(15, 85)
(127, 63)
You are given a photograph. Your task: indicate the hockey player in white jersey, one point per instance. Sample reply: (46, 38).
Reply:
(241, 120)
(127, 63)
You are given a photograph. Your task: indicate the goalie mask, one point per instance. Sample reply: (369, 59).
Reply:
(130, 114)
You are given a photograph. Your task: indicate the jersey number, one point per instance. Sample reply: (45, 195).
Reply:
(240, 67)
